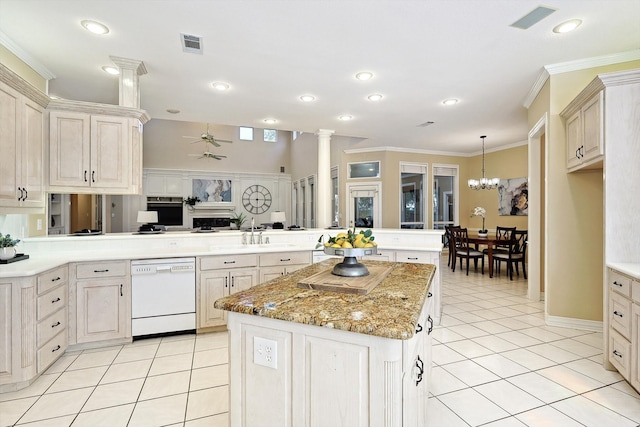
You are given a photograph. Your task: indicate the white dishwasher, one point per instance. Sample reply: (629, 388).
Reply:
(163, 296)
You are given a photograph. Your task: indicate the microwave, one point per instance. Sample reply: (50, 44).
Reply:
(170, 210)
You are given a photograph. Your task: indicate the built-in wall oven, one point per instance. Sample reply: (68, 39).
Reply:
(170, 210)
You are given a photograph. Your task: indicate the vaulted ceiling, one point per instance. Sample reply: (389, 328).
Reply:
(271, 52)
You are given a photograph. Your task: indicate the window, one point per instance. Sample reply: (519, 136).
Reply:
(445, 195)
(270, 135)
(246, 133)
(364, 170)
(412, 179)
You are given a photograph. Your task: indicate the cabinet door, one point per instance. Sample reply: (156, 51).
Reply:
(213, 285)
(10, 126)
(268, 273)
(110, 152)
(69, 147)
(32, 154)
(102, 309)
(241, 280)
(635, 347)
(574, 140)
(592, 128)
(6, 344)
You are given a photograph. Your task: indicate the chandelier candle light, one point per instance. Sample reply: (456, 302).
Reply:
(483, 183)
(480, 211)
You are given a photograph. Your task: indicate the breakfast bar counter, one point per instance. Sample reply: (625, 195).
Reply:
(312, 357)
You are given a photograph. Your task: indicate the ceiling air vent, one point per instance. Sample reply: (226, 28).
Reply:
(425, 124)
(533, 17)
(191, 44)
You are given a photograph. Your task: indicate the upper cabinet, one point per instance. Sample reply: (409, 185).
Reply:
(21, 145)
(585, 132)
(95, 148)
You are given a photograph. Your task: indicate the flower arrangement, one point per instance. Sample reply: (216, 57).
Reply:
(7, 242)
(480, 211)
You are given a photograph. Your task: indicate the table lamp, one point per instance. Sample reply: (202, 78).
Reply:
(148, 219)
(278, 218)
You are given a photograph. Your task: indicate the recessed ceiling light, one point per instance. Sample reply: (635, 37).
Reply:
(95, 27)
(345, 117)
(270, 121)
(172, 111)
(111, 70)
(374, 97)
(450, 101)
(307, 98)
(220, 85)
(364, 75)
(567, 26)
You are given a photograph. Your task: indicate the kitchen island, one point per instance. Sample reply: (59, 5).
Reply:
(302, 357)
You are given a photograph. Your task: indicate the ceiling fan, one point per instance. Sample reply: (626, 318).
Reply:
(208, 138)
(209, 155)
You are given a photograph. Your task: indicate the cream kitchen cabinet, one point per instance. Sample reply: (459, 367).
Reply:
(584, 125)
(95, 148)
(100, 308)
(219, 276)
(635, 335)
(21, 145)
(33, 326)
(164, 184)
(273, 265)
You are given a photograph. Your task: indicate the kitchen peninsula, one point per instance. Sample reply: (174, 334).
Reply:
(311, 357)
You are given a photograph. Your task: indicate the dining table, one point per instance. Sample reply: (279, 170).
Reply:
(490, 241)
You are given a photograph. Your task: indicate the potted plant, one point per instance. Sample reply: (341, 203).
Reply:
(191, 201)
(7, 247)
(480, 211)
(238, 220)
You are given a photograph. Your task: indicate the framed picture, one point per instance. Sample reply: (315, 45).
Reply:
(513, 196)
(211, 190)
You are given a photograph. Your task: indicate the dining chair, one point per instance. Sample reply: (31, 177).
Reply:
(450, 244)
(464, 251)
(517, 253)
(503, 233)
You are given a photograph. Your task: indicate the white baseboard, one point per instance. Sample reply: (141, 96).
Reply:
(569, 322)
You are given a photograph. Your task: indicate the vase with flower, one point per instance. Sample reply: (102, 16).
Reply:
(480, 211)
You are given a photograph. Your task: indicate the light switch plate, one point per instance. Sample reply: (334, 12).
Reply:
(265, 352)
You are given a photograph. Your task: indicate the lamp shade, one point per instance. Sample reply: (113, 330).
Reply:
(278, 216)
(147, 217)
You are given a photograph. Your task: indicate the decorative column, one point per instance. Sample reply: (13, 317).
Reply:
(129, 91)
(323, 187)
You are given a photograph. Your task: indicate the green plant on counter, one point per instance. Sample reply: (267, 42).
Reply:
(239, 219)
(7, 242)
(190, 202)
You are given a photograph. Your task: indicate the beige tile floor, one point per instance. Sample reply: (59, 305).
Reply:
(495, 364)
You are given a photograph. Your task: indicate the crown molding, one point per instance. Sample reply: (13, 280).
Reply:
(26, 57)
(432, 152)
(16, 82)
(95, 108)
(580, 64)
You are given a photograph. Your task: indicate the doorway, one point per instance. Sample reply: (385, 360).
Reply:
(538, 161)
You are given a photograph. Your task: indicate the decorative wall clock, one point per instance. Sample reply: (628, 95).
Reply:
(256, 199)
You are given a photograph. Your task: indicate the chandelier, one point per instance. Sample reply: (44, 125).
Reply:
(483, 183)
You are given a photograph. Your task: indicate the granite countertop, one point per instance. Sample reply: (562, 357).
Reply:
(390, 310)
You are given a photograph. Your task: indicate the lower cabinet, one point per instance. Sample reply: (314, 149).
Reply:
(273, 265)
(102, 301)
(219, 276)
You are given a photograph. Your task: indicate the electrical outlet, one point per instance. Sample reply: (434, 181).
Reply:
(265, 352)
(39, 224)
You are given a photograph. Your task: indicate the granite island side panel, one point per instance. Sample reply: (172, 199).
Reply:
(390, 310)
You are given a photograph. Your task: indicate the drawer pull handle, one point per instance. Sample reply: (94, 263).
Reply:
(617, 284)
(93, 176)
(101, 271)
(55, 324)
(430, 320)
(226, 282)
(26, 194)
(285, 259)
(56, 349)
(233, 281)
(419, 328)
(429, 295)
(414, 258)
(616, 353)
(55, 300)
(420, 366)
(85, 176)
(121, 290)
(229, 262)
(56, 279)
(618, 314)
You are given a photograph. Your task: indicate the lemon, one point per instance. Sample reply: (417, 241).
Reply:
(335, 245)
(346, 244)
(360, 243)
(341, 236)
(368, 245)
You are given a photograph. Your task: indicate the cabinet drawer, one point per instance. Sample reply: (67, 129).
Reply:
(619, 283)
(51, 351)
(413, 257)
(383, 255)
(53, 278)
(228, 261)
(635, 291)
(620, 353)
(51, 301)
(620, 314)
(286, 258)
(102, 269)
(51, 326)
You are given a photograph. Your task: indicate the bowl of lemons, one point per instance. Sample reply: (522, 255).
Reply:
(350, 245)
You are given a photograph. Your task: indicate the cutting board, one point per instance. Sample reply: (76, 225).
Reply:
(327, 281)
